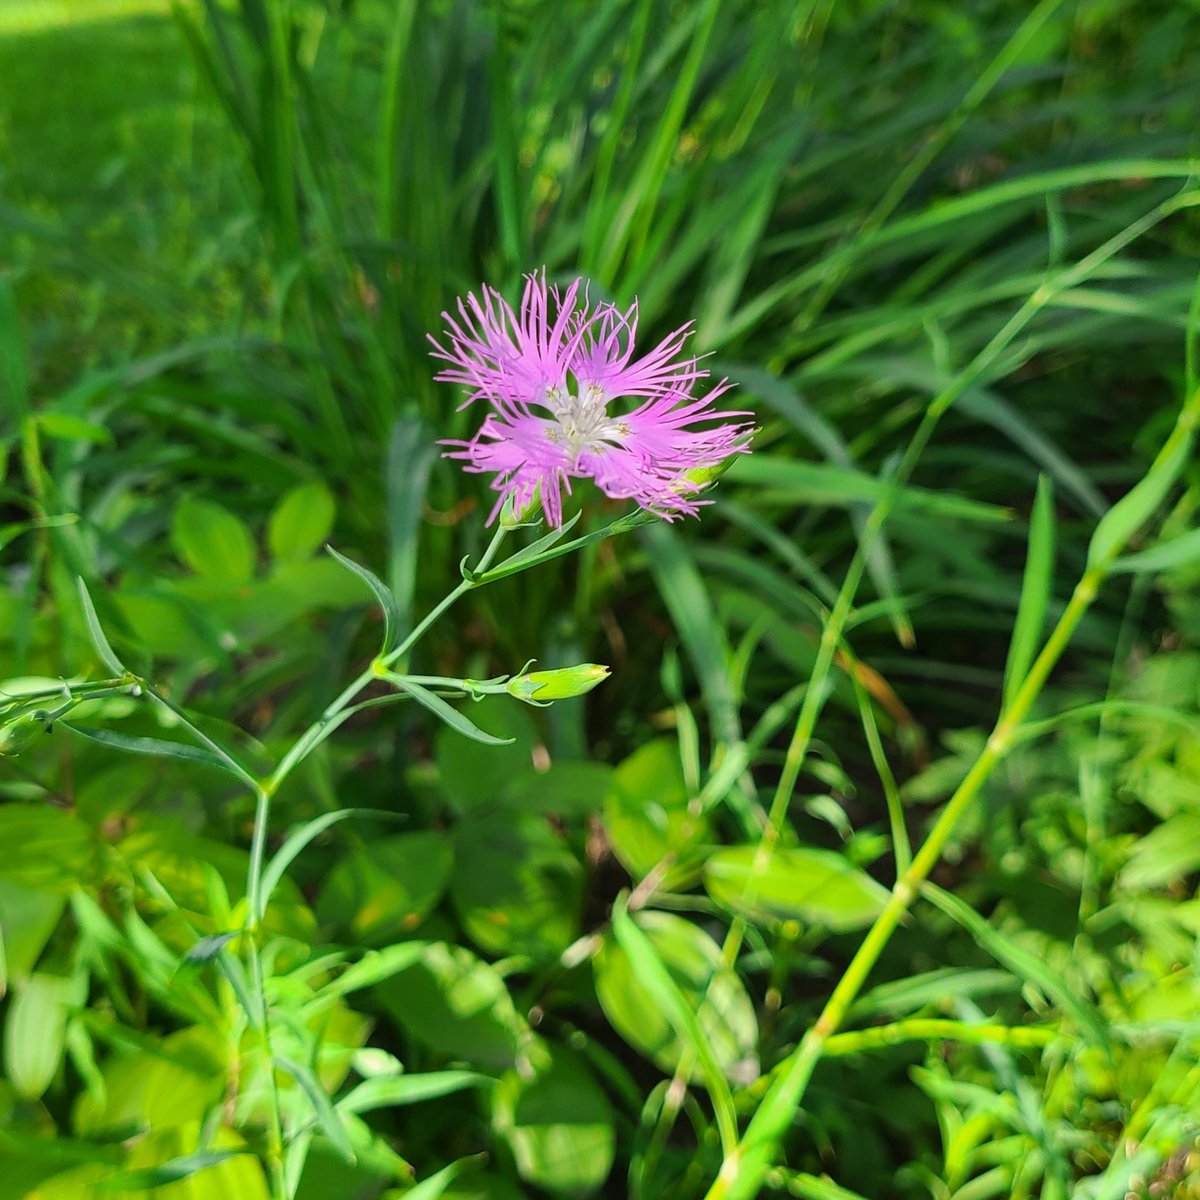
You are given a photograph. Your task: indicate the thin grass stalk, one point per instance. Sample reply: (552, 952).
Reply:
(917, 165)
(937, 1029)
(742, 1173)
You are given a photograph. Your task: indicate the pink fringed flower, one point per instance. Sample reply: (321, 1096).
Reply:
(553, 376)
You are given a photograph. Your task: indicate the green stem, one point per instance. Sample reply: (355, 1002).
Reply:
(742, 1172)
(932, 1029)
(314, 734)
(262, 1018)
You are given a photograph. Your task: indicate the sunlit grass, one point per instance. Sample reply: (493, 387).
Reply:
(32, 16)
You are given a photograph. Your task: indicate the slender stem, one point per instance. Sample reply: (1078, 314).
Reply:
(742, 1172)
(928, 1029)
(262, 1018)
(317, 731)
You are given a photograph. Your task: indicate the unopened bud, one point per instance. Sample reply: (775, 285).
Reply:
(530, 513)
(540, 687)
(20, 734)
(704, 477)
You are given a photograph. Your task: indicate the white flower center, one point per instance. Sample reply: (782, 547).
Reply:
(581, 423)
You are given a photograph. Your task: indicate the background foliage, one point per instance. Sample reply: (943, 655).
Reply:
(224, 233)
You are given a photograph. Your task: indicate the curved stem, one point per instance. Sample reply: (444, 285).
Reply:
(743, 1171)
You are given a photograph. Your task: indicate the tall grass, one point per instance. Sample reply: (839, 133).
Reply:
(945, 253)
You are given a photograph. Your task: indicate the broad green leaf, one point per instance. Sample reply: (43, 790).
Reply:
(458, 1005)
(383, 597)
(569, 789)
(43, 847)
(35, 1028)
(471, 774)
(388, 887)
(516, 888)
(558, 1124)
(1036, 588)
(817, 887)
(648, 813)
(213, 542)
(27, 919)
(724, 1014)
(301, 521)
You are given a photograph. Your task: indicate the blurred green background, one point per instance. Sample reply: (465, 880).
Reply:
(225, 230)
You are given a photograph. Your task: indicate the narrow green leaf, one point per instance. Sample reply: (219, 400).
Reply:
(157, 747)
(436, 1184)
(1133, 510)
(809, 1187)
(777, 477)
(14, 365)
(206, 949)
(374, 967)
(683, 591)
(302, 835)
(412, 450)
(651, 972)
(524, 559)
(327, 1118)
(902, 996)
(1166, 556)
(394, 1091)
(70, 428)
(103, 649)
(384, 597)
(528, 555)
(1023, 962)
(447, 712)
(168, 1172)
(1036, 589)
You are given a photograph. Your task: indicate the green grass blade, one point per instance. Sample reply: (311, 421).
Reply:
(1037, 587)
(650, 971)
(687, 600)
(1024, 963)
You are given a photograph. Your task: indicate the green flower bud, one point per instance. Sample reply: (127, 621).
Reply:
(540, 687)
(20, 734)
(530, 513)
(705, 477)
